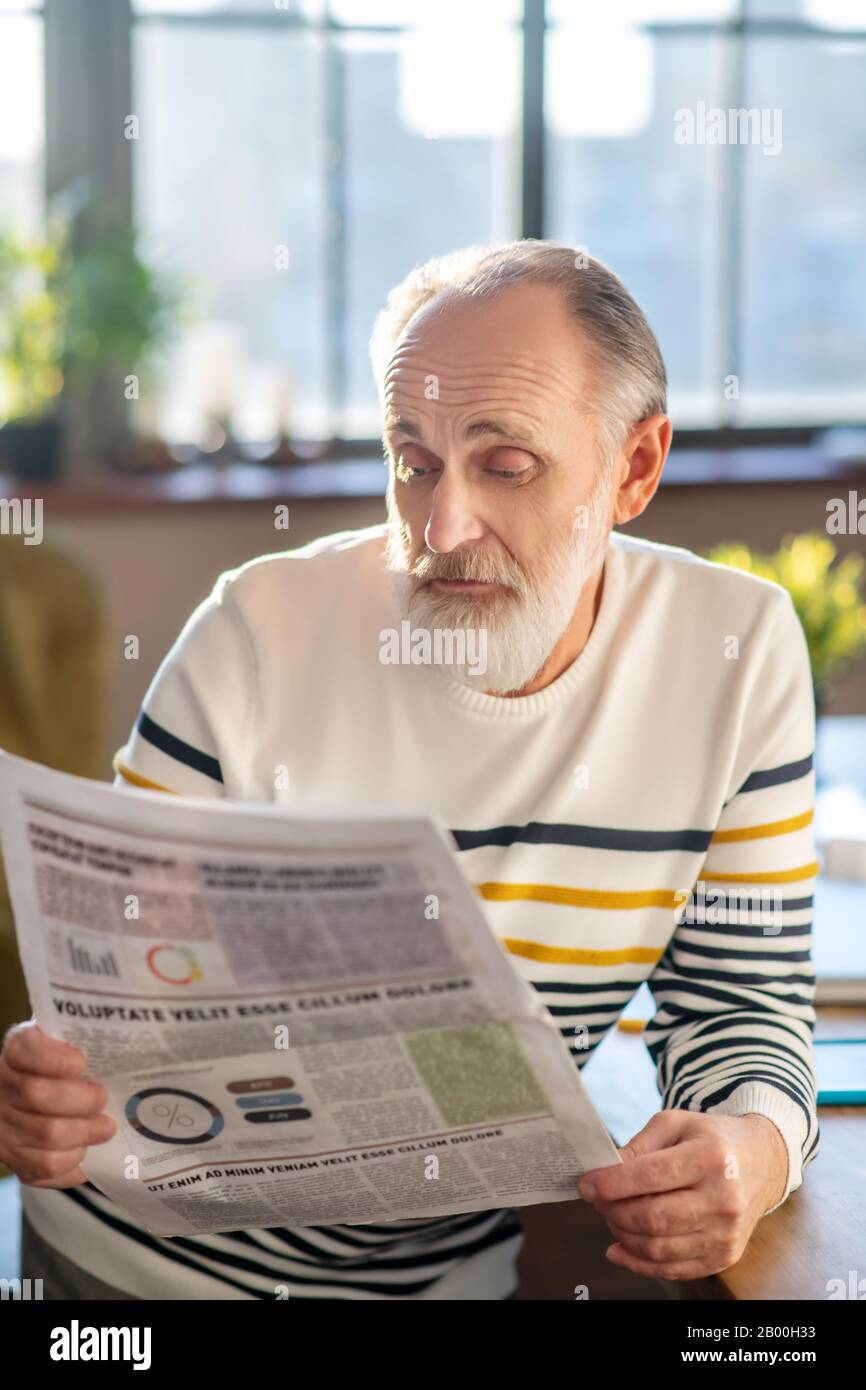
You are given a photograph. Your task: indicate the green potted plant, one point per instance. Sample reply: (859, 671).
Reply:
(70, 307)
(826, 595)
(31, 346)
(116, 311)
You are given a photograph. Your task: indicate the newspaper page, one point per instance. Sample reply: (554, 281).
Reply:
(301, 1019)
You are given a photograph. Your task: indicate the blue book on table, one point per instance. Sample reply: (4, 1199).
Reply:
(841, 1067)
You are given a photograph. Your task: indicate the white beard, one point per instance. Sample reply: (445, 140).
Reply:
(523, 625)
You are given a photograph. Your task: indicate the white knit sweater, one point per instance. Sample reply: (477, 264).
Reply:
(606, 820)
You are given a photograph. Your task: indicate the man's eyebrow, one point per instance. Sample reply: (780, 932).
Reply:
(400, 425)
(501, 428)
(396, 424)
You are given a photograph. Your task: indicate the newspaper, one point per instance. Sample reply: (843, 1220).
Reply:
(300, 1018)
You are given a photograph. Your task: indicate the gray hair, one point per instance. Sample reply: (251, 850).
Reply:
(630, 379)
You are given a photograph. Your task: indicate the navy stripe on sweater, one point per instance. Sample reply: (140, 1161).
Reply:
(176, 748)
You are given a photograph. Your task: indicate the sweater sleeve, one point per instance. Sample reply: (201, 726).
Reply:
(198, 711)
(734, 990)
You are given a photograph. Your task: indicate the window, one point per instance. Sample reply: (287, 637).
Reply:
(295, 158)
(803, 332)
(295, 165)
(618, 184)
(21, 119)
(745, 257)
(227, 171)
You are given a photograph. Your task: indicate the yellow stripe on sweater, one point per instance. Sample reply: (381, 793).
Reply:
(763, 832)
(565, 955)
(136, 778)
(774, 876)
(579, 897)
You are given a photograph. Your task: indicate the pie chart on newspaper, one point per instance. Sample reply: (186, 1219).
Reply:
(167, 1115)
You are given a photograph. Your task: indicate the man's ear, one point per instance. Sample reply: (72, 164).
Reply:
(642, 458)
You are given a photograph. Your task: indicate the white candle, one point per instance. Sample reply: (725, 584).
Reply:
(216, 366)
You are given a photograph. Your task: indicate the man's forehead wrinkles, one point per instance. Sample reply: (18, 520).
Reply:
(456, 391)
(461, 365)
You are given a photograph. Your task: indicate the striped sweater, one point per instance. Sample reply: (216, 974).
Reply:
(645, 817)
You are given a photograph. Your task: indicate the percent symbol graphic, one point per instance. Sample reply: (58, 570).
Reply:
(160, 1111)
(172, 1113)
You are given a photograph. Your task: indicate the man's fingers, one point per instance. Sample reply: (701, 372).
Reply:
(675, 1270)
(35, 1168)
(59, 1133)
(50, 1110)
(26, 1048)
(674, 1213)
(74, 1178)
(661, 1131)
(664, 1170)
(666, 1249)
(43, 1096)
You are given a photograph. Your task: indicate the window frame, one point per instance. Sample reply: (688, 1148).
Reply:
(88, 82)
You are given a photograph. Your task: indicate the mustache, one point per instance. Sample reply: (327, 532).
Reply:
(478, 566)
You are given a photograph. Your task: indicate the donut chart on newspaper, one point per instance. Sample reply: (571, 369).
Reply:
(163, 1113)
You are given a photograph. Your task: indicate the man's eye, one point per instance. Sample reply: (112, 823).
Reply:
(407, 472)
(510, 463)
(409, 464)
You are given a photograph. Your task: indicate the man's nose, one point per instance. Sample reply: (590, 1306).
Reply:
(453, 519)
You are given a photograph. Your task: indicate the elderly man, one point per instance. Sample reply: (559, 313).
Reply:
(631, 755)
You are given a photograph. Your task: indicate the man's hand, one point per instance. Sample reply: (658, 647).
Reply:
(50, 1110)
(689, 1192)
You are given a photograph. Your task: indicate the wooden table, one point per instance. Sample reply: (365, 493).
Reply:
(818, 1234)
